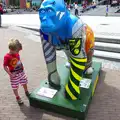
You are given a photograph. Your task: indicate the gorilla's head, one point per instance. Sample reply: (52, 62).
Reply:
(53, 15)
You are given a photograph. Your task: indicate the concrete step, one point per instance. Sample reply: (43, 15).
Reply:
(107, 55)
(107, 40)
(97, 39)
(110, 47)
(105, 48)
(98, 54)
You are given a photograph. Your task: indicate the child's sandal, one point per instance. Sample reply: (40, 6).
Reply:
(20, 102)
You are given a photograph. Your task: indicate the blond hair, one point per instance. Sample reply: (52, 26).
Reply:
(14, 44)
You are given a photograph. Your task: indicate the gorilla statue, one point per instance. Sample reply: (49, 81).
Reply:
(60, 30)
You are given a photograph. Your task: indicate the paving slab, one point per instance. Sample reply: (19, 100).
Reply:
(105, 104)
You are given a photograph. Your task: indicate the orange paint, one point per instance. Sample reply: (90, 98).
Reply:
(89, 44)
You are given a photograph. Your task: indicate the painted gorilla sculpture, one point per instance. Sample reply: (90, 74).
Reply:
(61, 30)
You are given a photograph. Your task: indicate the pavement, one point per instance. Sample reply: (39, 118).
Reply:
(35, 68)
(34, 36)
(106, 27)
(103, 27)
(100, 10)
(20, 11)
(105, 104)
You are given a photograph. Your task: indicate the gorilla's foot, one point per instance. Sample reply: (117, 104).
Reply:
(67, 65)
(89, 71)
(54, 79)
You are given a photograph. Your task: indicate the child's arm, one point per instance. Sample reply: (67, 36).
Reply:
(7, 70)
(5, 65)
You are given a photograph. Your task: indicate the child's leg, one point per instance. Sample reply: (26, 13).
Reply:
(25, 87)
(20, 102)
(16, 93)
(26, 90)
(15, 85)
(24, 82)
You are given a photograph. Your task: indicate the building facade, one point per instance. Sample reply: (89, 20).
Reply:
(22, 3)
(36, 2)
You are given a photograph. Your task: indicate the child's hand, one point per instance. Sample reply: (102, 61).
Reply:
(12, 75)
(9, 73)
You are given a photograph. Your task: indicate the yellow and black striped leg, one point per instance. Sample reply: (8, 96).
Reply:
(72, 89)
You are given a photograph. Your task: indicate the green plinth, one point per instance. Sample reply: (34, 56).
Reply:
(59, 104)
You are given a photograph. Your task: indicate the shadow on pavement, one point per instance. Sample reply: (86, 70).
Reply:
(105, 104)
(4, 27)
(32, 113)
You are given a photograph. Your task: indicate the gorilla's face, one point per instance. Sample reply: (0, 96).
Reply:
(51, 19)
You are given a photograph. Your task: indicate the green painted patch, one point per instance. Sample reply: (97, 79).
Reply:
(59, 103)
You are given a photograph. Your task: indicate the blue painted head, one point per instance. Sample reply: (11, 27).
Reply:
(53, 15)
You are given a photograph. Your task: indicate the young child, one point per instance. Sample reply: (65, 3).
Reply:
(14, 67)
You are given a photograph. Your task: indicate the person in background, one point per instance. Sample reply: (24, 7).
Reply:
(107, 9)
(1, 9)
(68, 6)
(76, 9)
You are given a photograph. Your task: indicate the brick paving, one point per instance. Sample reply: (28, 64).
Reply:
(105, 104)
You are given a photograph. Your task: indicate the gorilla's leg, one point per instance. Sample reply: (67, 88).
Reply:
(67, 52)
(50, 58)
(88, 68)
(72, 89)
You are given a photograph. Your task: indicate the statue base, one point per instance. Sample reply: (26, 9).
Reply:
(46, 97)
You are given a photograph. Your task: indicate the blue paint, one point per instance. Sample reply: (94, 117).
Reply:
(56, 21)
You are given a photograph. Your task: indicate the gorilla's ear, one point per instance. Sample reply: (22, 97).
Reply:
(53, 3)
(60, 5)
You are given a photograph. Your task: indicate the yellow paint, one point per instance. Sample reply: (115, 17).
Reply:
(95, 83)
(80, 59)
(76, 76)
(77, 89)
(77, 44)
(76, 51)
(72, 40)
(77, 65)
(70, 94)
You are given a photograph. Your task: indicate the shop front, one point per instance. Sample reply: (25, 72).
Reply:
(21, 3)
